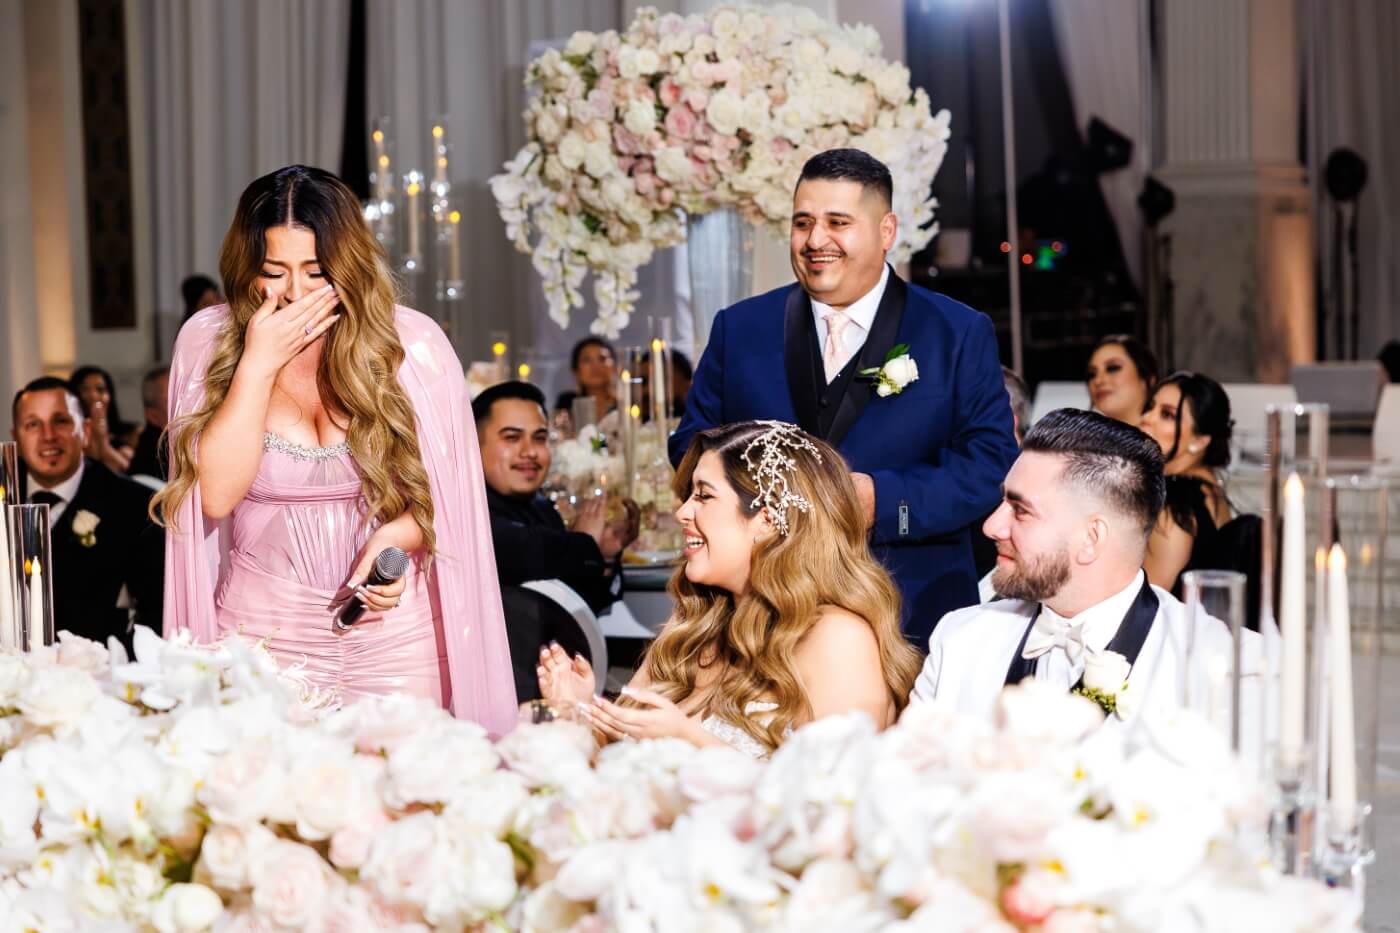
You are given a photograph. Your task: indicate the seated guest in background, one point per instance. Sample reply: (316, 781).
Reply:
(984, 549)
(151, 457)
(110, 439)
(783, 616)
(530, 539)
(1189, 418)
(103, 539)
(594, 365)
(1072, 530)
(199, 292)
(678, 386)
(1121, 375)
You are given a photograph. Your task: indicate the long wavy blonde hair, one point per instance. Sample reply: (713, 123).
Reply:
(823, 560)
(357, 376)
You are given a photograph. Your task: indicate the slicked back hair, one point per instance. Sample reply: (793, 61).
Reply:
(1110, 460)
(850, 165)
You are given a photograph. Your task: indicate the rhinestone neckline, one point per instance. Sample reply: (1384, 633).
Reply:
(301, 452)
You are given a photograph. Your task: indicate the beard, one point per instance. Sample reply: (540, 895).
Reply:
(1034, 581)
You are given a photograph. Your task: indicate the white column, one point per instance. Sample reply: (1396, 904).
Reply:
(19, 333)
(1242, 245)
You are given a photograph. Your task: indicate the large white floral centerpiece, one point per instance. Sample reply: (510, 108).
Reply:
(629, 132)
(194, 789)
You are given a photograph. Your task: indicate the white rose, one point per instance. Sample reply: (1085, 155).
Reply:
(673, 165)
(883, 390)
(572, 150)
(725, 24)
(1106, 671)
(186, 908)
(640, 118)
(326, 791)
(808, 53)
(14, 673)
(228, 852)
(724, 112)
(400, 864)
(438, 764)
(598, 159)
(755, 112)
(892, 83)
(289, 884)
(57, 696)
(242, 786)
(901, 371)
(546, 127)
(627, 65)
(85, 523)
(79, 652)
(844, 57)
(648, 62)
(484, 874)
(580, 43)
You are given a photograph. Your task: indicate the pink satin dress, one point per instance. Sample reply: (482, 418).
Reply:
(295, 538)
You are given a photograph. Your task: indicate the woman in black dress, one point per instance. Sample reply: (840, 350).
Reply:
(1189, 417)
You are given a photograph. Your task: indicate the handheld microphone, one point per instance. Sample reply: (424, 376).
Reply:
(391, 564)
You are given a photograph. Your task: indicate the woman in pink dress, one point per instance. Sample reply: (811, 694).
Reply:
(315, 423)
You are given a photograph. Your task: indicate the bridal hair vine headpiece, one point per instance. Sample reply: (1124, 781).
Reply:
(769, 460)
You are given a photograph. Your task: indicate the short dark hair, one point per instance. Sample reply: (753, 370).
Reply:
(148, 380)
(192, 289)
(524, 391)
(1107, 458)
(850, 165)
(584, 344)
(42, 384)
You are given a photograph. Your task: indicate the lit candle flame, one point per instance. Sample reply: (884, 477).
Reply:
(656, 345)
(1293, 488)
(524, 370)
(437, 132)
(636, 411)
(1337, 559)
(498, 348)
(626, 376)
(455, 217)
(377, 136)
(383, 161)
(442, 161)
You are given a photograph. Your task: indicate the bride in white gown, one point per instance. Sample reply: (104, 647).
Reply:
(782, 616)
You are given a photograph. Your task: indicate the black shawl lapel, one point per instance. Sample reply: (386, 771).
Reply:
(884, 334)
(799, 350)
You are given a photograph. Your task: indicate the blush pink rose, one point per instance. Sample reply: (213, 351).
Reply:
(697, 100)
(646, 184)
(602, 104)
(350, 844)
(671, 92)
(722, 141)
(1027, 901)
(779, 146)
(667, 197)
(625, 141)
(680, 122)
(290, 882)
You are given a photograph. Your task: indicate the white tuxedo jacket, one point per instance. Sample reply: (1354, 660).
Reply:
(971, 649)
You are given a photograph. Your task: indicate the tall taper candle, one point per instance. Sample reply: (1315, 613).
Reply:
(9, 630)
(1293, 577)
(36, 605)
(1343, 795)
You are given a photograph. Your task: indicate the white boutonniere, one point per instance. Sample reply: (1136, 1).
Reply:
(896, 374)
(85, 527)
(1105, 681)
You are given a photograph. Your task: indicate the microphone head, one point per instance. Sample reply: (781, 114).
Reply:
(391, 563)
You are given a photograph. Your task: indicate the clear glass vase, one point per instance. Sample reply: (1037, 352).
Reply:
(719, 250)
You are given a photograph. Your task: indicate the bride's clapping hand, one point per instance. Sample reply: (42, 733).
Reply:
(658, 717)
(565, 682)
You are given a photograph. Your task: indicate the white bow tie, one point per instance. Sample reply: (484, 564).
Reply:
(1050, 633)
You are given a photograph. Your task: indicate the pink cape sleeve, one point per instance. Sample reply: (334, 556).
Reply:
(464, 567)
(192, 549)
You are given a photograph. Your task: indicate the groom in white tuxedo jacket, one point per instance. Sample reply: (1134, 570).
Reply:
(1071, 534)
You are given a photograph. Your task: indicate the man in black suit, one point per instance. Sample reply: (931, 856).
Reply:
(530, 539)
(103, 539)
(152, 458)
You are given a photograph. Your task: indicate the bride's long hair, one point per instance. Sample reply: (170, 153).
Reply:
(357, 375)
(751, 639)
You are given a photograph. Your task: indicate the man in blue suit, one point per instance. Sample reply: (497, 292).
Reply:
(927, 460)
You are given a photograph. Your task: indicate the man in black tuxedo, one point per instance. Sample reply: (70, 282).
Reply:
(530, 539)
(103, 539)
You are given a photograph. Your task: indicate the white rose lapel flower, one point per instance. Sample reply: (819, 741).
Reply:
(898, 371)
(85, 527)
(1105, 680)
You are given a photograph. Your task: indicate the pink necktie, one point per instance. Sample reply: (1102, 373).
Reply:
(836, 323)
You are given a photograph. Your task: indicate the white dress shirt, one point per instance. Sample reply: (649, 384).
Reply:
(1097, 625)
(65, 491)
(862, 315)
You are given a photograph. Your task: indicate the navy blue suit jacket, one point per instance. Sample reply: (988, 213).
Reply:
(938, 451)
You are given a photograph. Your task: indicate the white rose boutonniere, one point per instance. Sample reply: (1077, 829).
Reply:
(896, 374)
(85, 527)
(1105, 680)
